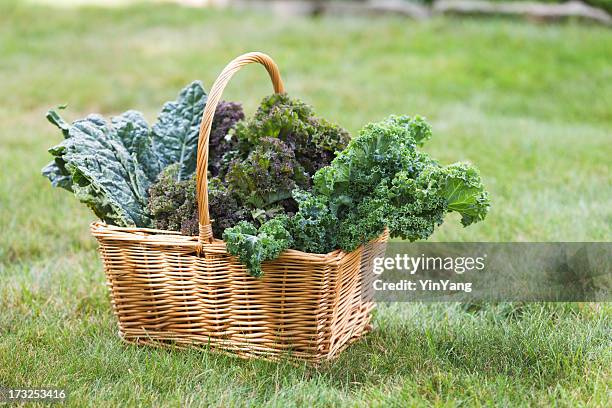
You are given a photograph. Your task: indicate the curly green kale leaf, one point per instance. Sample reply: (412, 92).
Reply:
(380, 180)
(254, 246)
(313, 227)
(379, 151)
(412, 210)
(460, 186)
(364, 223)
(417, 205)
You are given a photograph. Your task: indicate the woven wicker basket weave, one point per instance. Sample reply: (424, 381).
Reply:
(175, 290)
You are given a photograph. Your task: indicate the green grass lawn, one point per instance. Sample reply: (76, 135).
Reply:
(529, 104)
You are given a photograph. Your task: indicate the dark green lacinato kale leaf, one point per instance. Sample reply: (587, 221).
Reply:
(56, 170)
(111, 166)
(57, 174)
(102, 171)
(314, 140)
(254, 246)
(134, 133)
(55, 118)
(220, 143)
(175, 135)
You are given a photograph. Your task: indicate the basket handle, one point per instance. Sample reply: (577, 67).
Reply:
(207, 118)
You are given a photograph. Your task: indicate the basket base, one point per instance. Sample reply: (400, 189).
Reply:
(247, 352)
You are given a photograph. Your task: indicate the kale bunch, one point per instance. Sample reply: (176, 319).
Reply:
(264, 180)
(278, 150)
(226, 116)
(381, 180)
(314, 140)
(379, 152)
(256, 165)
(173, 204)
(172, 200)
(109, 165)
(267, 203)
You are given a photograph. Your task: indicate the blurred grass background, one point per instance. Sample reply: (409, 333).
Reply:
(528, 104)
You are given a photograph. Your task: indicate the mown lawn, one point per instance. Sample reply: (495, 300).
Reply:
(529, 104)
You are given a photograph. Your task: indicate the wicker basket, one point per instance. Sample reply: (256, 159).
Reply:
(175, 290)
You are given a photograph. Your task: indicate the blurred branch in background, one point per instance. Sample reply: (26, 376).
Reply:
(544, 10)
(413, 9)
(532, 10)
(121, 3)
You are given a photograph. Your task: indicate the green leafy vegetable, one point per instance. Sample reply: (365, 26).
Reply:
(134, 133)
(282, 179)
(258, 164)
(93, 163)
(56, 171)
(278, 150)
(111, 166)
(220, 143)
(254, 246)
(460, 186)
(380, 151)
(175, 135)
(380, 180)
(313, 227)
(313, 139)
(265, 179)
